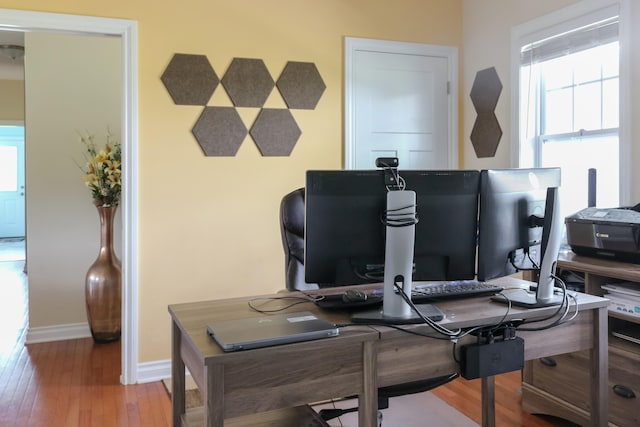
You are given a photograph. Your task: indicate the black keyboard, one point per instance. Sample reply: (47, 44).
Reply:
(457, 289)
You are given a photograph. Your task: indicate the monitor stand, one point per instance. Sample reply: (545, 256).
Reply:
(400, 218)
(528, 299)
(544, 295)
(377, 317)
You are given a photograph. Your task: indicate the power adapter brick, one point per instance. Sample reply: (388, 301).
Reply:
(487, 359)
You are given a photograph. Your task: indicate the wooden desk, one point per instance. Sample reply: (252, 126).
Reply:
(403, 357)
(361, 359)
(246, 382)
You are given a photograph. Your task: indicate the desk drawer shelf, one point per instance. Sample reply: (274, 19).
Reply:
(566, 377)
(560, 385)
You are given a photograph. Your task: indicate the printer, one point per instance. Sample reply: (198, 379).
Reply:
(605, 233)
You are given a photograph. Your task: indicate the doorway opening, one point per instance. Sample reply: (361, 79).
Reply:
(14, 290)
(12, 182)
(126, 31)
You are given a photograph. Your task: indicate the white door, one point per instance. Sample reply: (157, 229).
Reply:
(12, 189)
(400, 102)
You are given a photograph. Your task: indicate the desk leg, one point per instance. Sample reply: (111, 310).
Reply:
(213, 396)
(600, 369)
(177, 376)
(368, 400)
(488, 401)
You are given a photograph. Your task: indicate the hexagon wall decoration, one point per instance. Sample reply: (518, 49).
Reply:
(190, 79)
(275, 132)
(220, 131)
(300, 85)
(248, 82)
(485, 92)
(486, 128)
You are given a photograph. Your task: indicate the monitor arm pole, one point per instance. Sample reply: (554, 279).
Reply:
(398, 259)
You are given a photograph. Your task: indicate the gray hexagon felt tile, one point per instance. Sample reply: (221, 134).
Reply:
(248, 82)
(220, 131)
(190, 79)
(275, 132)
(486, 134)
(300, 85)
(485, 92)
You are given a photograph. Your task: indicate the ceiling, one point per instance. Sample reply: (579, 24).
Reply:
(11, 69)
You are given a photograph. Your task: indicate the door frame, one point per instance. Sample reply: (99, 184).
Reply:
(127, 30)
(354, 44)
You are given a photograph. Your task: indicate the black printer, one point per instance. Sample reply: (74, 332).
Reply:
(605, 233)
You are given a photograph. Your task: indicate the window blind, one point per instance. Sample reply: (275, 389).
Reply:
(573, 41)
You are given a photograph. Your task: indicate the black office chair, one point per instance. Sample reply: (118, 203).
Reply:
(292, 229)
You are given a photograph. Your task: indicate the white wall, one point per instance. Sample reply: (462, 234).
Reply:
(12, 100)
(487, 28)
(72, 83)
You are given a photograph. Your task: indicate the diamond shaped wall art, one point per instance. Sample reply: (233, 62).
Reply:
(220, 131)
(485, 92)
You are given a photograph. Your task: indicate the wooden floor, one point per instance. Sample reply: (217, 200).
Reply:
(76, 382)
(65, 383)
(465, 396)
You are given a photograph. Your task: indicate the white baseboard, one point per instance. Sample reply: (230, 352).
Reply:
(154, 371)
(159, 370)
(69, 331)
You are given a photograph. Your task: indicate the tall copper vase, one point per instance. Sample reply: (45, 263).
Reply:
(103, 285)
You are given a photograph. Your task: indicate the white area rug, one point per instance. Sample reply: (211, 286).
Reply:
(415, 410)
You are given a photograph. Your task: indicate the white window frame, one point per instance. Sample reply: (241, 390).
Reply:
(582, 13)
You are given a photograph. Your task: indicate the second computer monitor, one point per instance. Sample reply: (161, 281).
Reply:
(345, 230)
(510, 201)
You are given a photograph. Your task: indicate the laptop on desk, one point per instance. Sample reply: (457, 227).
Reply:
(269, 330)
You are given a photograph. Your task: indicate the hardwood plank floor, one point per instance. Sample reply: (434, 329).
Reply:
(76, 382)
(465, 396)
(65, 383)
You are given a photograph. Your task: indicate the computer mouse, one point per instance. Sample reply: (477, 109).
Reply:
(353, 295)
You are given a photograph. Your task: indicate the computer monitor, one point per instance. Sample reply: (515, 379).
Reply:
(345, 233)
(520, 228)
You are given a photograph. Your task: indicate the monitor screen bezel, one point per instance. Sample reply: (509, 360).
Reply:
(447, 203)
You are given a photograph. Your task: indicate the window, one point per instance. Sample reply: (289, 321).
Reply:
(8, 168)
(10, 139)
(569, 106)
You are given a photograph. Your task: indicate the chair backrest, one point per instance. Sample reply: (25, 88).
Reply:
(292, 230)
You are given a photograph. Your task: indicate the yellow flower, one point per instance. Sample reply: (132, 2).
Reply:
(100, 158)
(103, 170)
(112, 167)
(90, 180)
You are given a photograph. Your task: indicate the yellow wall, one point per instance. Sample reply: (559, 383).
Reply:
(12, 100)
(208, 225)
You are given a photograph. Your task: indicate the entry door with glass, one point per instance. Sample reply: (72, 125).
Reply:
(12, 185)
